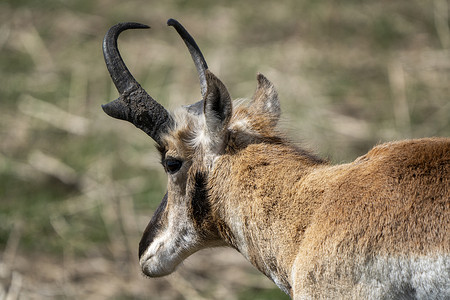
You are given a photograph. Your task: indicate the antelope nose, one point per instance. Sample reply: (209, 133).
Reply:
(153, 227)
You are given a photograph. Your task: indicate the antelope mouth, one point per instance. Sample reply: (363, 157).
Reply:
(153, 269)
(153, 264)
(150, 267)
(146, 266)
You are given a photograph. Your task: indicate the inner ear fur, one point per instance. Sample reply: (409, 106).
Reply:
(217, 104)
(265, 100)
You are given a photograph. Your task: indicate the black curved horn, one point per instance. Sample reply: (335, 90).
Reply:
(196, 54)
(122, 78)
(134, 104)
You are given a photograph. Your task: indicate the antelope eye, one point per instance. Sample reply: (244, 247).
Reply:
(172, 165)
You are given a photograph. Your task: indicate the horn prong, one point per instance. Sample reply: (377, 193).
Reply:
(134, 104)
(116, 109)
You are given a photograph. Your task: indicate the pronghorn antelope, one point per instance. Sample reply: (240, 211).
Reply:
(375, 228)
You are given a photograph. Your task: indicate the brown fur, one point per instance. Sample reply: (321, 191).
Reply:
(376, 228)
(392, 201)
(317, 230)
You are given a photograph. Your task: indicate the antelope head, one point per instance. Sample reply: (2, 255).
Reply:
(190, 140)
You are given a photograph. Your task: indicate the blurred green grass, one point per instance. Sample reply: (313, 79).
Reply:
(77, 188)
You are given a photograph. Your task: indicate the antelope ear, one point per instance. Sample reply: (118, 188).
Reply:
(217, 105)
(265, 100)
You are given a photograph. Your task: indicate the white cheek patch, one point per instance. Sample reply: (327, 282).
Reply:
(175, 242)
(156, 245)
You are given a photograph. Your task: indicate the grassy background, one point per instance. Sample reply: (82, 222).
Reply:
(77, 187)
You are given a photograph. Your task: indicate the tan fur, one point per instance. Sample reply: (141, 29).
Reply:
(372, 228)
(376, 228)
(394, 201)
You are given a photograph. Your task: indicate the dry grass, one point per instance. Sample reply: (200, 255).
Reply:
(77, 188)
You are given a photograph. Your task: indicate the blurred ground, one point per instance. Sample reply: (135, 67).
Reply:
(77, 187)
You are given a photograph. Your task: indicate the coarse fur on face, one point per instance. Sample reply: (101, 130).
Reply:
(374, 228)
(195, 142)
